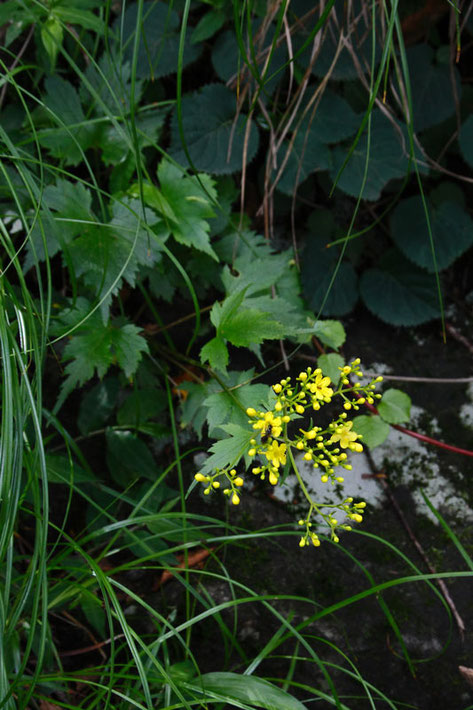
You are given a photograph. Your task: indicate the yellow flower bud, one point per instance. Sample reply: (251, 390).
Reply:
(302, 376)
(273, 478)
(278, 406)
(302, 542)
(300, 445)
(299, 409)
(235, 499)
(251, 412)
(216, 484)
(347, 405)
(200, 477)
(238, 481)
(277, 388)
(252, 452)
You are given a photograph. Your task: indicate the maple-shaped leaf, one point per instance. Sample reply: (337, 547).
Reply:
(228, 452)
(104, 255)
(70, 134)
(188, 203)
(95, 347)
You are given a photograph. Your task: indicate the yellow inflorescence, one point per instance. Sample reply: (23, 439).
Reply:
(325, 448)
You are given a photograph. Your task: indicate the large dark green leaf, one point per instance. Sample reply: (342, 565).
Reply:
(399, 292)
(452, 231)
(433, 99)
(318, 266)
(388, 159)
(70, 134)
(159, 39)
(214, 137)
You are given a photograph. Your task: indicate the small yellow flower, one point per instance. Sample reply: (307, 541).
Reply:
(276, 454)
(344, 435)
(269, 421)
(320, 388)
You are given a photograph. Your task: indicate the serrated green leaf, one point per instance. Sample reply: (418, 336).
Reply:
(224, 407)
(372, 428)
(215, 352)
(333, 121)
(68, 142)
(158, 46)
(346, 68)
(252, 691)
(227, 60)
(215, 138)
(251, 327)
(399, 292)
(98, 347)
(388, 159)
(452, 232)
(187, 206)
(128, 457)
(329, 365)
(395, 406)
(109, 91)
(208, 25)
(318, 266)
(307, 155)
(106, 255)
(228, 452)
(222, 311)
(330, 332)
(433, 99)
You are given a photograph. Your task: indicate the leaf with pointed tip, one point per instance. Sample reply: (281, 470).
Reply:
(213, 131)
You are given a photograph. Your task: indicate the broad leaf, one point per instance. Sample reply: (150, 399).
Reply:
(249, 327)
(388, 159)
(433, 99)
(96, 348)
(399, 292)
(214, 135)
(185, 204)
(372, 428)
(329, 365)
(215, 352)
(330, 332)
(158, 45)
(307, 155)
(395, 406)
(70, 134)
(228, 452)
(254, 692)
(452, 231)
(318, 267)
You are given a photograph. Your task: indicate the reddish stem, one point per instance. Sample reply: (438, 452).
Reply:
(422, 437)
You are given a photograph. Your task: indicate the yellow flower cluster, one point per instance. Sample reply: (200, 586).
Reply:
(326, 448)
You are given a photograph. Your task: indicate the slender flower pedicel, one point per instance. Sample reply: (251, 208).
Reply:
(277, 436)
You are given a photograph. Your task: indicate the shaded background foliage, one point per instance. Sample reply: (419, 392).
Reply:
(185, 185)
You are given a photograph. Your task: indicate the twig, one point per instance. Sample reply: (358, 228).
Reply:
(442, 586)
(458, 336)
